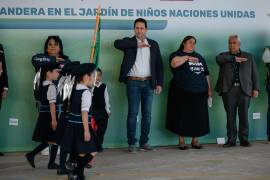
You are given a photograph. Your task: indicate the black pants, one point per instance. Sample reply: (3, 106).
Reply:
(236, 101)
(101, 118)
(1, 92)
(268, 113)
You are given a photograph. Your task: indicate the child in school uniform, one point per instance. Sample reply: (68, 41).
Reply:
(54, 52)
(79, 138)
(47, 120)
(62, 122)
(101, 108)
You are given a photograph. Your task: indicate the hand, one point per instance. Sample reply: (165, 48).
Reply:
(87, 136)
(255, 93)
(143, 45)
(59, 59)
(240, 59)
(54, 125)
(193, 59)
(210, 94)
(109, 114)
(158, 89)
(1, 69)
(4, 94)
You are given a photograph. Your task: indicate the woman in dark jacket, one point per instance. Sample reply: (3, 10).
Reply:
(3, 78)
(187, 110)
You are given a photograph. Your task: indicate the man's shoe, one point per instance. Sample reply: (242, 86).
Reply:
(53, 166)
(1, 154)
(245, 143)
(196, 146)
(30, 160)
(146, 147)
(132, 149)
(268, 139)
(229, 144)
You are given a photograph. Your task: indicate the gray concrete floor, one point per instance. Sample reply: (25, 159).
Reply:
(167, 163)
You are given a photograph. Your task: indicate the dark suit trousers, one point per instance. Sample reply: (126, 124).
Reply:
(236, 101)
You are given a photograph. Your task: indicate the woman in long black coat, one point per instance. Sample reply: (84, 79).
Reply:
(187, 110)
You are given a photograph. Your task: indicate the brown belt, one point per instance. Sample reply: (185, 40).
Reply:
(139, 78)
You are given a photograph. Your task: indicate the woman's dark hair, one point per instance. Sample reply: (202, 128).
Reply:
(184, 41)
(58, 40)
(140, 20)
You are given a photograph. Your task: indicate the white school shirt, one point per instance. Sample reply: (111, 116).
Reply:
(51, 93)
(86, 97)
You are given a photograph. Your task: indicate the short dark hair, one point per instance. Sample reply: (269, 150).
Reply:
(140, 20)
(99, 70)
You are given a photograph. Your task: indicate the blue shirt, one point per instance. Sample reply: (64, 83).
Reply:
(190, 77)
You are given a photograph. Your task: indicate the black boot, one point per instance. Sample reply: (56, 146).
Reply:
(53, 154)
(31, 155)
(81, 162)
(63, 156)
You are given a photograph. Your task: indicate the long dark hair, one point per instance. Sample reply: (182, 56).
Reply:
(181, 48)
(58, 40)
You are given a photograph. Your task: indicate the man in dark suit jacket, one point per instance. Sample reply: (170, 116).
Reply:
(3, 78)
(237, 82)
(142, 71)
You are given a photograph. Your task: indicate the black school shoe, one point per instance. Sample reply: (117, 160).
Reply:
(245, 143)
(229, 144)
(30, 160)
(75, 177)
(62, 172)
(53, 166)
(1, 154)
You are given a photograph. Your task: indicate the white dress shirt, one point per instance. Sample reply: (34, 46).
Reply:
(142, 66)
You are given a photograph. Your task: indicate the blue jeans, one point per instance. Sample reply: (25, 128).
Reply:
(139, 92)
(268, 113)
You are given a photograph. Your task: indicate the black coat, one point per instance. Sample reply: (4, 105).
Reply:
(4, 76)
(129, 47)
